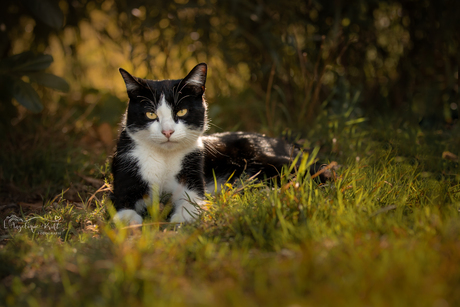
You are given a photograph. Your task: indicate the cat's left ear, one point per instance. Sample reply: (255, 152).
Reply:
(196, 78)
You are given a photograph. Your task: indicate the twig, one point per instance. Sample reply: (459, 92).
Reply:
(267, 97)
(148, 224)
(93, 181)
(328, 167)
(383, 210)
(105, 187)
(313, 101)
(12, 205)
(248, 181)
(60, 194)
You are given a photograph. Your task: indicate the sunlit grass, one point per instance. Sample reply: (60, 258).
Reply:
(384, 233)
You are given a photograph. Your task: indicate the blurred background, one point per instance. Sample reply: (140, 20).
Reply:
(307, 69)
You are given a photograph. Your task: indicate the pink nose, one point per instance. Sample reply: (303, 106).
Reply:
(167, 133)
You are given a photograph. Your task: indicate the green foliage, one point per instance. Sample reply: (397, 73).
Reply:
(14, 68)
(47, 11)
(25, 94)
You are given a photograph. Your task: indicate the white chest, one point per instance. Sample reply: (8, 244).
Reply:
(158, 168)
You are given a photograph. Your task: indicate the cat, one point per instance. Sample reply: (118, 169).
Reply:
(162, 149)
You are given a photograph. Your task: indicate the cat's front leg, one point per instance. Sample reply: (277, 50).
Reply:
(186, 206)
(128, 192)
(188, 188)
(131, 215)
(127, 217)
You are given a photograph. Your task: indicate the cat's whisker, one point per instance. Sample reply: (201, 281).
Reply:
(147, 99)
(153, 94)
(178, 92)
(214, 125)
(175, 91)
(186, 96)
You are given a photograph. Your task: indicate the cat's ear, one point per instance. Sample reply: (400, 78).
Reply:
(132, 83)
(196, 78)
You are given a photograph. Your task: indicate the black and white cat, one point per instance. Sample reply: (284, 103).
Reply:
(161, 149)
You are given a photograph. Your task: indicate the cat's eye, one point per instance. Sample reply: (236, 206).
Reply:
(182, 112)
(151, 115)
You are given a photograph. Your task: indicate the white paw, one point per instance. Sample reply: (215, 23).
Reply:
(127, 217)
(180, 218)
(185, 212)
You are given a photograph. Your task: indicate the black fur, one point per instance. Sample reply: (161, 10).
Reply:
(251, 153)
(191, 174)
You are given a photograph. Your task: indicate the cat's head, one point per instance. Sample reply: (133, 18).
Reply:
(167, 114)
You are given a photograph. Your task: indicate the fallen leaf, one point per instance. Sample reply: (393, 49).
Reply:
(104, 131)
(449, 156)
(97, 183)
(36, 206)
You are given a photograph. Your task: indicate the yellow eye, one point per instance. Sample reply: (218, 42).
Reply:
(151, 115)
(182, 112)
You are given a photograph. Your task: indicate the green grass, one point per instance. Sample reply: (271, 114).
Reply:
(385, 233)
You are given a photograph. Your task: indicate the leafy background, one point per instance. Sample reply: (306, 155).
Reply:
(286, 61)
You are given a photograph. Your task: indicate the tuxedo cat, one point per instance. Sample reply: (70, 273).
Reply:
(161, 149)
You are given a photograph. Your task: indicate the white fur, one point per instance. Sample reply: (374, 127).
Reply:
(160, 160)
(131, 86)
(139, 206)
(214, 188)
(195, 80)
(186, 204)
(127, 216)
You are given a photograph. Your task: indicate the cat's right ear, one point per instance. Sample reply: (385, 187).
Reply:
(196, 78)
(132, 84)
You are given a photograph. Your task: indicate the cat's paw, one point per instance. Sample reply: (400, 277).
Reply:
(183, 215)
(180, 218)
(127, 217)
(177, 218)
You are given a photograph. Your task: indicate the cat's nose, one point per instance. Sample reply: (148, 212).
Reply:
(167, 133)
